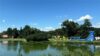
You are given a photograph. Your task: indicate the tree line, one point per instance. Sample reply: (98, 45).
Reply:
(68, 29)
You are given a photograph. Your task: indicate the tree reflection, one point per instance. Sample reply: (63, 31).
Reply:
(28, 47)
(50, 49)
(75, 49)
(10, 45)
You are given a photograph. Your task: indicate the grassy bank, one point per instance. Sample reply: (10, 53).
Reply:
(14, 39)
(58, 40)
(77, 42)
(83, 42)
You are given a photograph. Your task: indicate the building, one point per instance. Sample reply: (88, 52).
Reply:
(4, 36)
(97, 38)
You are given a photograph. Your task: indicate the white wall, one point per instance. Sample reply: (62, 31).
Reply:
(97, 38)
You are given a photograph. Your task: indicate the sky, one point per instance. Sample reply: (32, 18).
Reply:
(47, 14)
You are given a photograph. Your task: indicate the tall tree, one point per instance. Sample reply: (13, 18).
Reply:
(70, 28)
(85, 28)
(9, 32)
(87, 25)
(26, 30)
(15, 33)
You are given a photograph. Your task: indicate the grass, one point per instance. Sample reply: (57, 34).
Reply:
(13, 39)
(83, 42)
(58, 39)
(64, 39)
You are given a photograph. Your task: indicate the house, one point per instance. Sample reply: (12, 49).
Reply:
(4, 36)
(97, 38)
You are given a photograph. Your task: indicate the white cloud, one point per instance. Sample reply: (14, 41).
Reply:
(70, 19)
(59, 24)
(97, 25)
(3, 21)
(33, 24)
(84, 17)
(48, 28)
(13, 25)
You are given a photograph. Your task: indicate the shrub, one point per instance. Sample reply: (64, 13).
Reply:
(38, 37)
(58, 38)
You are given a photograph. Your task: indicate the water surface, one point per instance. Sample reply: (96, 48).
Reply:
(47, 49)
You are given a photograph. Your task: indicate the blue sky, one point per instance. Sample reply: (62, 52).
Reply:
(47, 14)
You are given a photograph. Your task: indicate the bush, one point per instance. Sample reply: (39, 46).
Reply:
(58, 38)
(38, 37)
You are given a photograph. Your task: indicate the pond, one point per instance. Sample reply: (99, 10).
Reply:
(12, 48)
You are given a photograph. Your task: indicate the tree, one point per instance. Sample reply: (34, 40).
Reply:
(59, 31)
(97, 31)
(15, 33)
(9, 32)
(26, 30)
(87, 23)
(38, 37)
(85, 28)
(70, 28)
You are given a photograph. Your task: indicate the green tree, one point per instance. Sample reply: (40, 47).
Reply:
(85, 28)
(97, 31)
(15, 33)
(70, 27)
(26, 31)
(9, 32)
(39, 37)
(59, 31)
(87, 23)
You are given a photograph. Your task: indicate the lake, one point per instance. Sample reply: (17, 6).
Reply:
(13, 48)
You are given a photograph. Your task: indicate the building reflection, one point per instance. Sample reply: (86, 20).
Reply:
(4, 42)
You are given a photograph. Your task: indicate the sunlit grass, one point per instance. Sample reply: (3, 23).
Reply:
(58, 39)
(13, 39)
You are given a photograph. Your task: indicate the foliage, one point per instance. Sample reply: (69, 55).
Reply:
(70, 28)
(85, 28)
(58, 39)
(9, 31)
(27, 30)
(38, 37)
(15, 33)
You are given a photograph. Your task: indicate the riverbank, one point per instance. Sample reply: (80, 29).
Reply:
(84, 42)
(68, 41)
(13, 39)
(76, 42)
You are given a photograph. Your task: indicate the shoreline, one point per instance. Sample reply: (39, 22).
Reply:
(68, 41)
(13, 39)
(77, 42)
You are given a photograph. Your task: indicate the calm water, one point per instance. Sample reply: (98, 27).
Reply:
(47, 49)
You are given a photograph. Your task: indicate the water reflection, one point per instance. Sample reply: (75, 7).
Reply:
(5, 42)
(47, 49)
